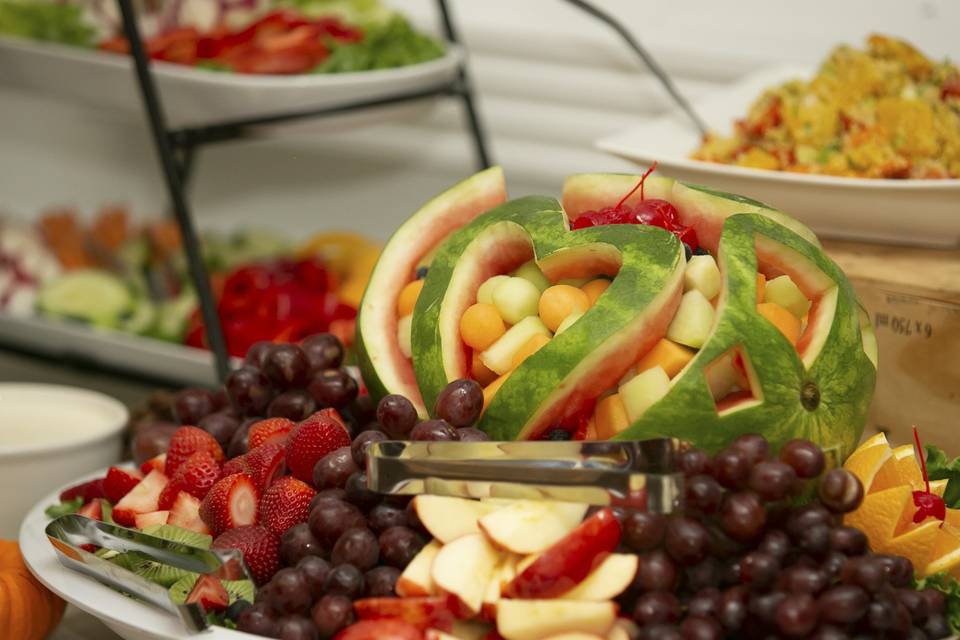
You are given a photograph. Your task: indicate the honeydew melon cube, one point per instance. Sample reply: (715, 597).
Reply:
(568, 322)
(643, 391)
(693, 321)
(499, 356)
(485, 292)
(702, 274)
(530, 271)
(516, 298)
(404, 327)
(784, 292)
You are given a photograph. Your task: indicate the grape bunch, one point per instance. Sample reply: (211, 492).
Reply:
(746, 559)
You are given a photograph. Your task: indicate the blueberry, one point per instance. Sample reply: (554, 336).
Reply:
(236, 608)
(687, 251)
(700, 251)
(422, 273)
(559, 434)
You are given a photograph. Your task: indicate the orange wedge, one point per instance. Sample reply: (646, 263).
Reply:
(953, 518)
(915, 545)
(900, 468)
(866, 461)
(880, 512)
(945, 552)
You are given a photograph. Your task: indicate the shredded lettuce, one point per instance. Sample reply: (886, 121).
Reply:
(950, 588)
(394, 43)
(49, 21)
(64, 508)
(940, 467)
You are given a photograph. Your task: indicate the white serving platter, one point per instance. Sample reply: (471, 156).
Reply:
(922, 212)
(111, 349)
(196, 96)
(126, 617)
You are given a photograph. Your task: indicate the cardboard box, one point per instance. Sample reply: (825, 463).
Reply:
(913, 296)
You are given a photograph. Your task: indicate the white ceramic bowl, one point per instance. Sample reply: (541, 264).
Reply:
(50, 435)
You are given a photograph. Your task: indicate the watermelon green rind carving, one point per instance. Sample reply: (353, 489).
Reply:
(841, 371)
(383, 367)
(593, 353)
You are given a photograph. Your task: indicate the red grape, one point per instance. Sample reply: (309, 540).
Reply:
(293, 404)
(840, 491)
(656, 571)
(848, 541)
(345, 580)
(754, 446)
(643, 530)
(460, 403)
(796, 616)
(298, 542)
(289, 592)
(258, 620)
(399, 545)
(731, 468)
(296, 628)
(221, 425)
(742, 515)
(382, 582)
(805, 457)
(249, 391)
(314, 571)
(333, 388)
(433, 431)
(323, 351)
(333, 469)
(471, 434)
(772, 480)
(330, 518)
(843, 604)
(192, 405)
(331, 614)
(702, 494)
(383, 516)
(397, 415)
(656, 607)
(686, 540)
(357, 546)
(362, 442)
(358, 493)
(692, 462)
(758, 570)
(701, 628)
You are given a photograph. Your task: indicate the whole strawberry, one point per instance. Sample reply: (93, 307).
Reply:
(266, 463)
(312, 439)
(90, 490)
(260, 548)
(285, 503)
(231, 502)
(269, 430)
(195, 476)
(187, 441)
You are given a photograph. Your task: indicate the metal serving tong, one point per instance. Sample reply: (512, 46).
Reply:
(637, 474)
(71, 535)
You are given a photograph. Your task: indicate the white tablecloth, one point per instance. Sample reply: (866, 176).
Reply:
(78, 625)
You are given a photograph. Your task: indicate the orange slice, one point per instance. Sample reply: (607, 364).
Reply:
(866, 461)
(953, 518)
(945, 552)
(916, 545)
(880, 513)
(900, 468)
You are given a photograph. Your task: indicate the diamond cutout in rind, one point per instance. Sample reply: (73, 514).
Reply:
(732, 381)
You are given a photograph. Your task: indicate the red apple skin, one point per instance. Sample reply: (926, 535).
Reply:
(569, 560)
(433, 612)
(382, 629)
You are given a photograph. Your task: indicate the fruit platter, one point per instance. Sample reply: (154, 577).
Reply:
(633, 308)
(841, 153)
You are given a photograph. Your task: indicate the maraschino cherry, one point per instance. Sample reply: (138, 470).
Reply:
(929, 505)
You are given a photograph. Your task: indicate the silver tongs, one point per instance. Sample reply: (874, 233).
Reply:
(72, 535)
(633, 474)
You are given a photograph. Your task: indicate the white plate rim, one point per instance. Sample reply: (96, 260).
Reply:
(85, 593)
(614, 144)
(119, 416)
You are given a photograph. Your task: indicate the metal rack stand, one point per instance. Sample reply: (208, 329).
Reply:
(177, 149)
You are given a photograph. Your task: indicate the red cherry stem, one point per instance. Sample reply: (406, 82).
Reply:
(639, 185)
(923, 458)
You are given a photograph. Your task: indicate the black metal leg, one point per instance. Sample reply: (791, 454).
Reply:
(466, 93)
(187, 154)
(171, 172)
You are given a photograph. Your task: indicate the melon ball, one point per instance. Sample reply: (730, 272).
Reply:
(594, 288)
(408, 298)
(485, 292)
(558, 302)
(481, 326)
(516, 299)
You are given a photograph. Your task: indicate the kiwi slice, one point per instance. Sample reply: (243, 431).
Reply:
(163, 574)
(176, 534)
(237, 589)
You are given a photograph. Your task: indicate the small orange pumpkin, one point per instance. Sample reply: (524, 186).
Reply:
(28, 610)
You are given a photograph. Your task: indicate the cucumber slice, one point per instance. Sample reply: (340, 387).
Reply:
(90, 295)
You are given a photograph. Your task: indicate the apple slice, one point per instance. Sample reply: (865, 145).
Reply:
(463, 568)
(437, 634)
(570, 560)
(575, 635)
(432, 612)
(536, 619)
(381, 629)
(449, 518)
(623, 629)
(502, 575)
(143, 498)
(608, 580)
(416, 579)
(462, 630)
(528, 526)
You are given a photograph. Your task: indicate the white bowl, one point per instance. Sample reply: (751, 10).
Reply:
(50, 435)
(125, 616)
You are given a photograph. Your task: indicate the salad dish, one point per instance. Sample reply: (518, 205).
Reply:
(831, 152)
(634, 307)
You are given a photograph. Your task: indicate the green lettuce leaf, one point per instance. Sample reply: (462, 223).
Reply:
(940, 467)
(950, 588)
(64, 508)
(50, 21)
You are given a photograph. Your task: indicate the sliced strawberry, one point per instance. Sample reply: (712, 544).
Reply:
(185, 513)
(381, 629)
(144, 520)
(195, 476)
(143, 498)
(158, 463)
(269, 430)
(93, 509)
(232, 502)
(187, 441)
(314, 438)
(266, 463)
(235, 465)
(260, 548)
(119, 482)
(90, 490)
(285, 503)
(209, 593)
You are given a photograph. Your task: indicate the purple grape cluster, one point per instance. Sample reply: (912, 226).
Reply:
(746, 560)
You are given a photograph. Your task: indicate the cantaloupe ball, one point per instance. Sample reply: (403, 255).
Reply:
(404, 328)
(594, 288)
(559, 301)
(481, 326)
(516, 299)
(786, 322)
(408, 298)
